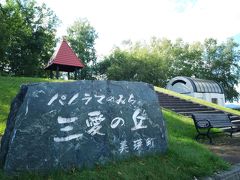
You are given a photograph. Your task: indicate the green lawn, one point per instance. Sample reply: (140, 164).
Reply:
(185, 158)
(9, 87)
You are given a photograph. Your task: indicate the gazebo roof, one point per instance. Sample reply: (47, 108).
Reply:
(65, 59)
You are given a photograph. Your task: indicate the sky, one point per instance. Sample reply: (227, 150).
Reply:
(139, 20)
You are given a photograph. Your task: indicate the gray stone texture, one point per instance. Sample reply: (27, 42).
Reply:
(81, 124)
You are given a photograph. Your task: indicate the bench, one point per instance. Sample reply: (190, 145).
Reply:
(204, 122)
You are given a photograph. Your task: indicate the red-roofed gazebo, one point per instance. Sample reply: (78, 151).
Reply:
(64, 59)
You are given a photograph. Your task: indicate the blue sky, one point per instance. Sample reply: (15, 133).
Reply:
(118, 20)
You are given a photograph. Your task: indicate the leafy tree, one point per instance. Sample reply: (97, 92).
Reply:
(141, 62)
(82, 36)
(30, 39)
(4, 36)
(160, 60)
(186, 59)
(222, 64)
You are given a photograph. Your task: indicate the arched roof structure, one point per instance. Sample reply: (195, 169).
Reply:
(189, 84)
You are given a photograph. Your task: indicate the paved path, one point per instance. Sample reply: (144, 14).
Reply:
(229, 149)
(232, 174)
(226, 147)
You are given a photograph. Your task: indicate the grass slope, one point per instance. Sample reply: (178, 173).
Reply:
(9, 87)
(185, 158)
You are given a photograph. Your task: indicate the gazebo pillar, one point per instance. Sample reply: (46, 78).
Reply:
(68, 75)
(51, 74)
(57, 72)
(75, 74)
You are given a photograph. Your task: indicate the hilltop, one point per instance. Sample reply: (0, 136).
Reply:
(185, 158)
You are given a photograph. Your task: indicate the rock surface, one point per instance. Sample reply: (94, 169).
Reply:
(81, 124)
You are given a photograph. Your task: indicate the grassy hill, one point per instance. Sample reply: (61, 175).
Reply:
(9, 87)
(185, 158)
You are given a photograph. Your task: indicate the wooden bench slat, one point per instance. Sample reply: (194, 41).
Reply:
(211, 120)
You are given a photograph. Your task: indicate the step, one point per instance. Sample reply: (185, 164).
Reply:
(236, 121)
(237, 124)
(193, 109)
(181, 106)
(168, 99)
(160, 96)
(160, 93)
(178, 102)
(175, 103)
(234, 130)
(233, 117)
(174, 106)
(190, 113)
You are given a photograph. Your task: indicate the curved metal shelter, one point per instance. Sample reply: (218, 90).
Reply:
(188, 84)
(200, 88)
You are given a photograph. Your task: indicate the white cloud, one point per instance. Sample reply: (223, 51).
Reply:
(118, 20)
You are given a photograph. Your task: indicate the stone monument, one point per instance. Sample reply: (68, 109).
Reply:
(80, 124)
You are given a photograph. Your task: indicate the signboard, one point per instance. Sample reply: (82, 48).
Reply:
(80, 124)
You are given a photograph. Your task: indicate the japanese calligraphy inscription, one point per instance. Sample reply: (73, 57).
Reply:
(79, 124)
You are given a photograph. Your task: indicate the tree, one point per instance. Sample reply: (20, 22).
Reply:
(222, 64)
(5, 33)
(82, 36)
(30, 37)
(160, 60)
(140, 62)
(186, 59)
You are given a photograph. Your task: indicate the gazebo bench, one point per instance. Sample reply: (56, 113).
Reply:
(204, 122)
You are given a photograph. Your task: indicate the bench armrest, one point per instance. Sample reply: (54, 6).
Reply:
(203, 123)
